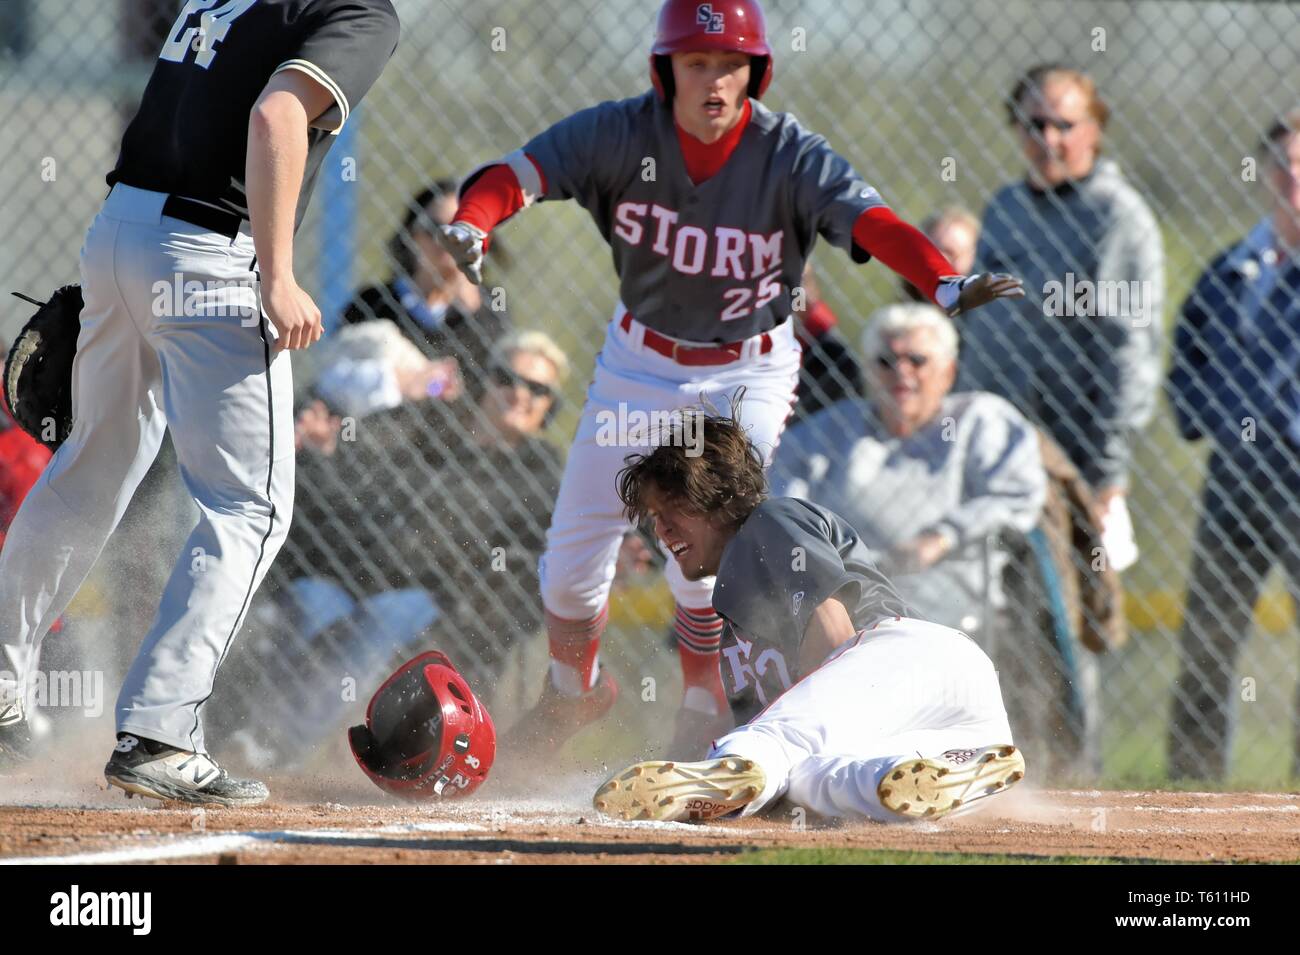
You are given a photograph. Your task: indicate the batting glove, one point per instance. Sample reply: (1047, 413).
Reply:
(957, 294)
(464, 243)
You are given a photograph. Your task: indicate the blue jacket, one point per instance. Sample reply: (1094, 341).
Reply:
(1236, 359)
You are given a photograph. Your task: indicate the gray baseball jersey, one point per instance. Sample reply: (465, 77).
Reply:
(711, 262)
(788, 557)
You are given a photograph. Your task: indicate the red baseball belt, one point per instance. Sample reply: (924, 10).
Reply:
(685, 354)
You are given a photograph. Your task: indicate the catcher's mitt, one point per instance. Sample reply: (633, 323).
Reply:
(38, 371)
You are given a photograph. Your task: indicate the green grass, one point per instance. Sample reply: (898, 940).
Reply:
(820, 856)
(826, 856)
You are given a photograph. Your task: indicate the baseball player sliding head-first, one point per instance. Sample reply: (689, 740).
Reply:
(711, 204)
(869, 711)
(191, 307)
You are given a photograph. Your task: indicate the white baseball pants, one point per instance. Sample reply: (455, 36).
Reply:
(172, 335)
(631, 383)
(903, 689)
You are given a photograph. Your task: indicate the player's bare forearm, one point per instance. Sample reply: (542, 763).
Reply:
(274, 166)
(829, 628)
(277, 155)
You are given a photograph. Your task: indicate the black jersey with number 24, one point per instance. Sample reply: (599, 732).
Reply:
(190, 136)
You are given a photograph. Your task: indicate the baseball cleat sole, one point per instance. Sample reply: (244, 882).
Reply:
(667, 791)
(933, 787)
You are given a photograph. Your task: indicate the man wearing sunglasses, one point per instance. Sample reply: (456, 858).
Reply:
(1080, 354)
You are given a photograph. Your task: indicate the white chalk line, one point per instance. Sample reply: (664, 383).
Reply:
(184, 848)
(1179, 810)
(181, 847)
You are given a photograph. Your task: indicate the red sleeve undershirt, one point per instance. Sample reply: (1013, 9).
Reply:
(903, 248)
(495, 196)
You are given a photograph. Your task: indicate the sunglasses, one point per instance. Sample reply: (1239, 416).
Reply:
(509, 378)
(1039, 124)
(890, 361)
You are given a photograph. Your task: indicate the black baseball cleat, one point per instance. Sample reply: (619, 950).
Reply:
(15, 745)
(147, 767)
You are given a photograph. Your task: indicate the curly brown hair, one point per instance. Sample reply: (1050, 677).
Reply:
(719, 474)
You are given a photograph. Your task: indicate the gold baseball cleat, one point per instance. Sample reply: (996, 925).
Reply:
(937, 786)
(681, 791)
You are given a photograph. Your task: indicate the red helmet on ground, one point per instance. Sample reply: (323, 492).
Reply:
(426, 734)
(687, 26)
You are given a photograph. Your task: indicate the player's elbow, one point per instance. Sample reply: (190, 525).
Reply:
(276, 115)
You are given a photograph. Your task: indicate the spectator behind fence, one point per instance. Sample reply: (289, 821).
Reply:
(416, 526)
(428, 297)
(1235, 379)
(925, 476)
(828, 371)
(1080, 353)
(360, 369)
(955, 232)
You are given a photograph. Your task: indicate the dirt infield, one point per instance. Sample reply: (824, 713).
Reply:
(93, 825)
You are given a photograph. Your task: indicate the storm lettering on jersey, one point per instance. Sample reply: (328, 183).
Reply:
(725, 253)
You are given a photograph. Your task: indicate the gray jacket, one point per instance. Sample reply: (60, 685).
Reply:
(1081, 352)
(970, 472)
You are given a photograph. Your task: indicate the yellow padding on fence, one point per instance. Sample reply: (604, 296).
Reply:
(652, 606)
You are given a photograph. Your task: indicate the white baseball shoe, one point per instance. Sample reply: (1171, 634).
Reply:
(928, 788)
(670, 792)
(147, 767)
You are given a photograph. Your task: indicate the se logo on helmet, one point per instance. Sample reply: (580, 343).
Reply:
(712, 22)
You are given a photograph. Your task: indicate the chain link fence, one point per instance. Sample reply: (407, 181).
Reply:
(422, 505)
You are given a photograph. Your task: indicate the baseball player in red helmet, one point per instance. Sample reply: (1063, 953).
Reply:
(711, 204)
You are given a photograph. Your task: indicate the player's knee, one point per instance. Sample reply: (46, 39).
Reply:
(572, 603)
(570, 595)
(570, 599)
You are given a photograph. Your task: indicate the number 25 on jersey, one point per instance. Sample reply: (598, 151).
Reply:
(202, 39)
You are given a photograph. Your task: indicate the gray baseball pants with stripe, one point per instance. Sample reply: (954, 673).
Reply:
(172, 336)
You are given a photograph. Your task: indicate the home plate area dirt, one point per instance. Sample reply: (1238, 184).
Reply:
(99, 826)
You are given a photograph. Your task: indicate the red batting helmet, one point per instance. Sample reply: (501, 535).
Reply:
(687, 26)
(426, 734)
